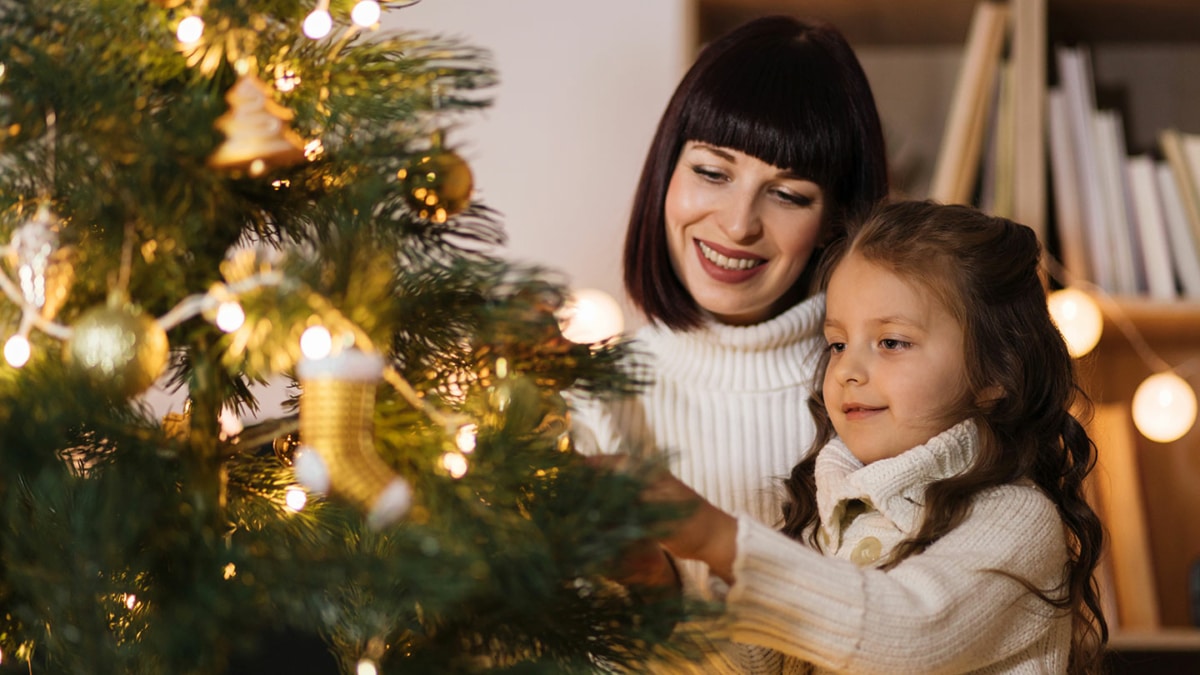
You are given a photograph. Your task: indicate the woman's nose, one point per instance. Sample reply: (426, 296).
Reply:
(741, 220)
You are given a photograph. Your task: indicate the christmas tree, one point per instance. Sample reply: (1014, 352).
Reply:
(218, 193)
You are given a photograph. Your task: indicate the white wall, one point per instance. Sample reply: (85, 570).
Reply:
(582, 85)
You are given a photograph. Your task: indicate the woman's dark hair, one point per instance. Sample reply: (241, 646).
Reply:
(1021, 382)
(789, 93)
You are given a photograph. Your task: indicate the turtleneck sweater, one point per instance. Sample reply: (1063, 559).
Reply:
(956, 607)
(727, 404)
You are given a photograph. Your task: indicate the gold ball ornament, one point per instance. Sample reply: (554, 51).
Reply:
(438, 185)
(285, 447)
(118, 347)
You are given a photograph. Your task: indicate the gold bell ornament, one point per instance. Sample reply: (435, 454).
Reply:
(337, 448)
(118, 347)
(257, 135)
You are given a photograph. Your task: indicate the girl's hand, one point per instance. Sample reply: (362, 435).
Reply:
(708, 533)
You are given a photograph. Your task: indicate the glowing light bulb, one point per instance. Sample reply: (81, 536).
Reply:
(295, 498)
(1164, 407)
(316, 342)
(231, 425)
(17, 351)
(1078, 319)
(318, 23)
(365, 13)
(230, 316)
(465, 438)
(590, 315)
(455, 463)
(190, 29)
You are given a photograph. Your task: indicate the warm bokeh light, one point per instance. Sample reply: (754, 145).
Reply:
(465, 438)
(366, 667)
(1164, 407)
(231, 425)
(230, 316)
(455, 463)
(366, 13)
(295, 498)
(590, 315)
(1078, 318)
(316, 342)
(190, 29)
(318, 24)
(17, 351)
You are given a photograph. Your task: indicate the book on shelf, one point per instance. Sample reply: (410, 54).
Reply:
(957, 165)
(1064, 180)
(1181, 150)
(1151, 227)
(1027, 51)
(1075, 80)
(1185, 247)
(1129, 275)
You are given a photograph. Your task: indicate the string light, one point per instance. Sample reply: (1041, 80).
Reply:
(590, 315)
(230, 316)
(318, 23)
(465, 438)
(1164, 404)
(366, 13)
(455, 463)
(295, 498)
(17, 351)
(1078, 318)
(1164, 407)
(316, 342)
(190, 29)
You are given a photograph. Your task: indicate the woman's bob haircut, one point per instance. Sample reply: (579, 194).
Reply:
(788, 92)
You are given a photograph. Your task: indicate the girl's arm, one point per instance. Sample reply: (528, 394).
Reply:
(953, 608)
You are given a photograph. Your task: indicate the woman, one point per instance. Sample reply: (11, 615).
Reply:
(770, 144)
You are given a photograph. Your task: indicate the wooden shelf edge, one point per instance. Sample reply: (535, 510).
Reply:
(1163, 639)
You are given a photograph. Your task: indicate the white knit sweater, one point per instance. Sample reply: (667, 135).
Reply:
(729, 403)
(945, 610)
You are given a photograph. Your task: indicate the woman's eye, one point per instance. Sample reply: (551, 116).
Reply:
(794, 198)
(708, 173)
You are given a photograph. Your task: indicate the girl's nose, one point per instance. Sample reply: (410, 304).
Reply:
(848, 367)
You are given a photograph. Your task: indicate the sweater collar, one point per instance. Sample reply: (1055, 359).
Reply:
(775, 354)
(895, 487)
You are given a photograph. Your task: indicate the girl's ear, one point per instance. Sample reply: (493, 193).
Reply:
(989, 396)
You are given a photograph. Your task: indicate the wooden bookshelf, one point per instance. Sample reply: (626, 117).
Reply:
(944, 22)
(1145, 42)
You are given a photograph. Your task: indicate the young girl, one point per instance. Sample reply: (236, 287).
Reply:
(944, 527)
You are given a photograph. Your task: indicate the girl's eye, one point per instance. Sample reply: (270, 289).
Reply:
(892, 344)
(836, 347)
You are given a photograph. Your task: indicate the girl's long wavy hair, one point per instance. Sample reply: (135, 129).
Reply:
(985, 271)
